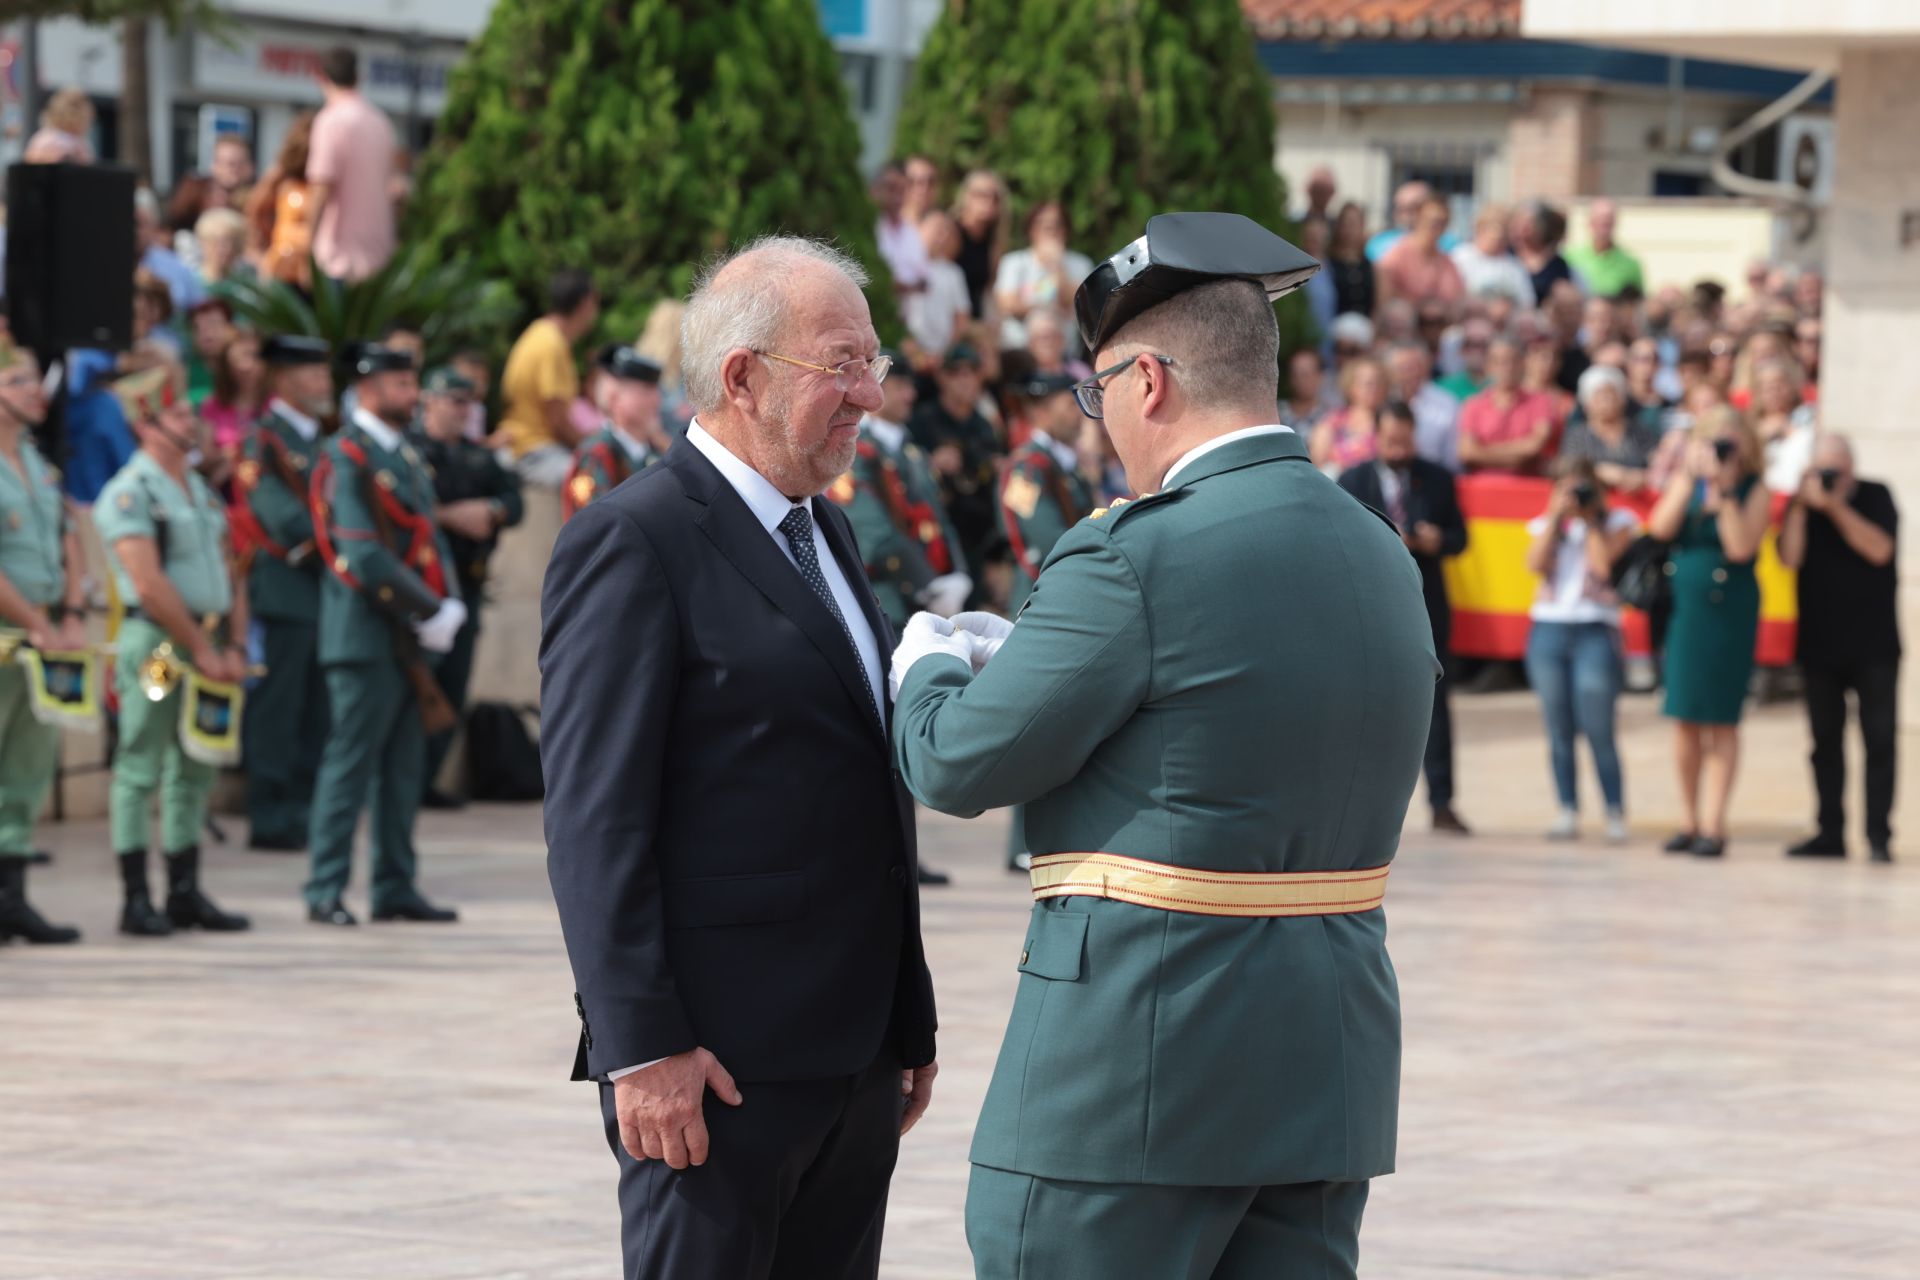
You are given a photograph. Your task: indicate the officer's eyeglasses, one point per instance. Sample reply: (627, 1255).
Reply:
(1092, 396)
(848, 374)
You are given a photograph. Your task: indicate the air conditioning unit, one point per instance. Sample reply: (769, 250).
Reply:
(1806, 155)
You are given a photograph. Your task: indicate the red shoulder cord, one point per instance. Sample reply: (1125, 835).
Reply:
(249, 535)
(416, 528)
(915, 517)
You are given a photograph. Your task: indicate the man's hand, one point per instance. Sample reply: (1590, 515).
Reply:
(1813, 493)
(922, 637)
(661, 1109)
(916, 1086)
(470, 518)
(946, 460)
(223, 665)
(70, 636)
(1426, 538)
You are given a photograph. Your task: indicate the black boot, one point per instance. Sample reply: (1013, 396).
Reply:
(189, 908)
(18, 919)
(137, 916)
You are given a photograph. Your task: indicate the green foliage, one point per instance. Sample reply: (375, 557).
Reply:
(640, 137)
(1119, 109)
(450, 304)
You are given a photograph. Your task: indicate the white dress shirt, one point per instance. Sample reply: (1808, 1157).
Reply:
(636, 450)
(891, 435)
(307, 427)
(1220, 442)
(383, 435)
(770, 507)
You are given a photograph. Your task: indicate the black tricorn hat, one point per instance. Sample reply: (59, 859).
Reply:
(369, 358)
(294, 348)
(625, 363)
(1180, 251)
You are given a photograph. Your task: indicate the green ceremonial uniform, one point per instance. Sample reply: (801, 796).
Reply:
(461, 470)
(1232, 675)
(603, 460)
(189, 525)
(898, 520)
(32, 523)
(376, 745)
(286, 715)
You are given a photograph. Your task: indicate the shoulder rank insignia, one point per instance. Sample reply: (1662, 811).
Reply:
(384, 479)
(1118, 503)
(1022, 495)
(581, 490)
(843, 489)
(125, 502)
(299, 461)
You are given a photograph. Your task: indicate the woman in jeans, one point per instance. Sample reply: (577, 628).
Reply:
(1573, 653)
(1715, 513)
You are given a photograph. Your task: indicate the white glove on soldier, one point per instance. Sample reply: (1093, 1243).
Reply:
(947, 594)
(922, 637)
(986, 631)
(437, 632)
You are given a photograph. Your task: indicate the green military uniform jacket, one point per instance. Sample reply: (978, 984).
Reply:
(1042, 497)
(899, 522)
(283, 574)
(33, 520)
(462, 470)
(374, 585)
(143, 501)
(601, 462)
(1234, 674)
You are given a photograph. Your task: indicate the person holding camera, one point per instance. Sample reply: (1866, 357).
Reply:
(1840, 535)
(1714, 513)
(1573, 651)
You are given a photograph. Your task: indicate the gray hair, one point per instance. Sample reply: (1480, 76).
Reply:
(733, 309)
(1223, 339)
(1598, 376)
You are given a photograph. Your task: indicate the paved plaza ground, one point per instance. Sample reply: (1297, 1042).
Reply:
(1618, 1064)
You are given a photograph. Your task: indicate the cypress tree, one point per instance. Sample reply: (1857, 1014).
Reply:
(1119, 109)
(638, 137)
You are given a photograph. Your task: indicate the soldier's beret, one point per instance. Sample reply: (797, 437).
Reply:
(1179, 252)
(625, 363)
(443, 381)
(369, 358)
(294, 348)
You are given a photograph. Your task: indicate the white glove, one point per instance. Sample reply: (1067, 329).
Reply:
(437, 632)
(924, 636)
(947, 594)
(985, 631)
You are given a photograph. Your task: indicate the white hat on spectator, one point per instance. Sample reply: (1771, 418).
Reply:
(1352, 328)
(1598, 376)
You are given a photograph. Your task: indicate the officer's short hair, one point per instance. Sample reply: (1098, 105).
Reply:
(1223, 339)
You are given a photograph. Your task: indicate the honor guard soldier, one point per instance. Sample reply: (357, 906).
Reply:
(40, 595)
(632, 438)
(389, 599)
(1214, 707)
(963, 452)
(286, 723)
(914, 558)
(185, 613)
(474, 499)
(1042, 496)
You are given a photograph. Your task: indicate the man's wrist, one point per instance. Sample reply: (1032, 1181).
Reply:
(627, 1071)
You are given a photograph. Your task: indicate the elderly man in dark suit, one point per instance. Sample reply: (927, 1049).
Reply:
(1419, 497)
(732, 855)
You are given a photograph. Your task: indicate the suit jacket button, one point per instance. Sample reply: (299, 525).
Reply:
(897, 874)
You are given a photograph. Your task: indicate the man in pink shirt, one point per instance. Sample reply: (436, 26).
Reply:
(349, 167)
(1505, 429)
(1417, 268)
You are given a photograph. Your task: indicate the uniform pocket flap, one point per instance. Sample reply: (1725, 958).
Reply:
(1054, 946)
(710, 901)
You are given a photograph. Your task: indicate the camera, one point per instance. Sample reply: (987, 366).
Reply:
(1586, 494)
(1723, 450)
(1829, 478)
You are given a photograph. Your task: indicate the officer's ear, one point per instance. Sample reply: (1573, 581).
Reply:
(1156, 388)
(736, 380)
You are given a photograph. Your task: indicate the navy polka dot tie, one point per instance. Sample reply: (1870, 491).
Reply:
(798, 528)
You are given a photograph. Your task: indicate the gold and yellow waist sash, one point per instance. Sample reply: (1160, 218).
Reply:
(1208, 893)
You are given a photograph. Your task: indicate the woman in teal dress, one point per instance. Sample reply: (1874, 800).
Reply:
(1714, 512)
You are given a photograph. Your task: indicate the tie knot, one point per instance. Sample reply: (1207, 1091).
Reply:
(798, 524)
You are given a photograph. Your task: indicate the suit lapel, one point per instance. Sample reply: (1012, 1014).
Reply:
(737, 535)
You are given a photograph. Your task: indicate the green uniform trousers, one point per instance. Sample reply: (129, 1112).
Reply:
(454, 674)
(28, 750)
(285, 730)
(375, 757)
(1025, 1228)
(149, 757)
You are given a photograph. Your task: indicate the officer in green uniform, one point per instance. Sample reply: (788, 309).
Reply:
(914, 558)
(963, 452)
(1042, 496)
(631, 439)
(286, 717)
(165, 532)
(475, 498)
(40, 595)
(389, 600)
(1214, 706)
